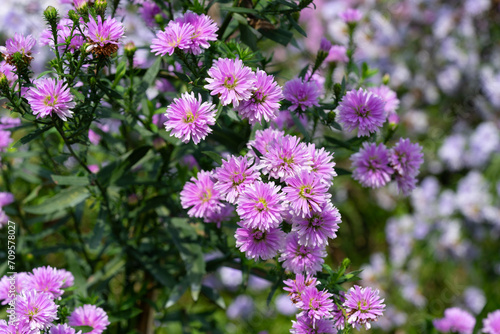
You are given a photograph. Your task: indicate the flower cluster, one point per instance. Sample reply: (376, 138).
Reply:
(375, 164)
(35, 303)
(190, 33)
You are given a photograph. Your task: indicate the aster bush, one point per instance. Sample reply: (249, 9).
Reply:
(192, 163)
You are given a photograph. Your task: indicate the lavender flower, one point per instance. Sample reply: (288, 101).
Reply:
(233, 176)
(5, 140)
(302, 94)
(176, 36)
(296, 286)
(315, 304)
(406, 159)
(189, 118)
(491, 324)
(337, 312)
(63, 329)
(20, 280)
(50, 96)
(258, 244)
(201, 195)
(264, 102)
(36, 309)
(338, 54)
(260, 205)
(21, 44)
(351, 15)
(361, 110)
(298, 258)
(318, 226)
(306, 193)
(371, 165)
(17, 327)
(103, 37)
(64, 32)
(363, 305)
(9, 72)
(232, 81)
(89, 315)
(205, 30)
(455, 320)
(325, 45)
(305, 325)
(46, 279)
(322, 164)
(264, 139)
(388, 96)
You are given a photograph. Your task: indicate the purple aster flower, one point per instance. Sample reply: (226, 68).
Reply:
(337, 312)
(362, 306)
(104, 37)
(225, 214)
(67, 278)
(17, 327)
(21, 44)
(37, 309)
(406, 158)
(285, 157)
(263, 140)
(50, 96)
(233, 176)
(315, 228)
(232, 81)
(89, 315)
(351, 15)
(338, 54)
(62, 329)
(371, 165)
(296, 286)
(64, 32)
(189, 118)
(315, 304)
(299, 258)
(455, 320)
(201, 195)
(260, 205)
(94, 138)
(5, 140)
(322, 164)
(491, 324)
(361, 110)
(305, 325)
(148, 12)
(302, 94)
(8, 70)
(46, 279)
(20, 281)
(325, 45)
(305, 192)
(7, 122)
(264, 102)
(175, 36)
(205, 30)
(259, 244)
(388, 96)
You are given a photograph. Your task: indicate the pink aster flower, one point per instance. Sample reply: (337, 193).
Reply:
(299, 258)
(455, 320)
(388, 96)
(315, 304)
(64, 29)
(322, 164)
(285, 157)
(63, 329)
(260, 205)
(6, 198)
(7, 122)
(17, 327)
(305, 192)
(104, 37)
(363, 306)
(190, 118)
(264, 102)
(233, 176)
(338, 54)
(50, 96)
(67, 278)
(305, 325)
(264, 139)
(5, 140)
(225, 214)
(491, 324)
(259, 244)
(205, 30)
(37, 309)
(201, 195)
(175, 36)
(351, 15)
(231, 80)
(89, 315)
(46, 279)
(297, 286)
(8, 70)
(337, 314)
(21, 44)
(406, 157)
(318, 226)
(361, 110)
(301, 94)
(371, 165)
(20, 281)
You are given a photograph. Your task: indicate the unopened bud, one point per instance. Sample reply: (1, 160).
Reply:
(4, 82)
(337, 90)
(73, 16)
(100, 7)
(130, 49)
(386, 78)
(325, 45)
(393, 120)
(51, 16)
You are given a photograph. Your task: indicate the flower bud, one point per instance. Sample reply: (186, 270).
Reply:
(130, 49)
(386, 78)
(100, 7)
(325, 45)
(4, 83)
(51, 16)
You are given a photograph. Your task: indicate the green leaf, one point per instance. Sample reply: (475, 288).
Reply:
(280, 36)
(121, 69)
(296, 26)
(215, 157)
(342, 171)
(68, 180)
(33, 135)
(67, 198)
(115, 170)
(177, 292)
(338, 143)
(239, 10)
(84, 329)
(214, 296)
(248, 37)
(152, 72)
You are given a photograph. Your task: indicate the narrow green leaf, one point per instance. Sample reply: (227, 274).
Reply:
(69, 180)
(121, 69)
(33, 135)
(67, 198)
(239, 10)
(215, 157)
(177, 292)
(280, 36)
(214, 296)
